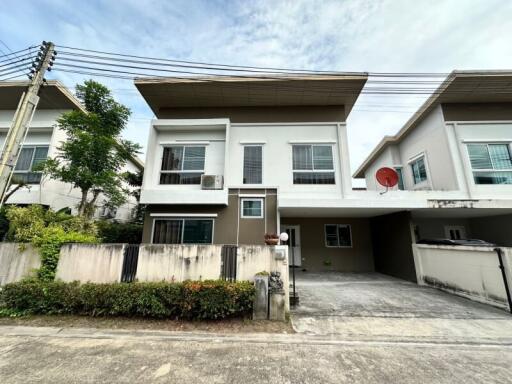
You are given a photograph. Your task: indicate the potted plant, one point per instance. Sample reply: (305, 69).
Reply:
(271, 239)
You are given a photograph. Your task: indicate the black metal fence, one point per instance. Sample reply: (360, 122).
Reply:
(131, 258)
(228, 262)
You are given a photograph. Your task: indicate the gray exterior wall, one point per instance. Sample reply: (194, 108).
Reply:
(283, 114)
(315, 254)
(477, 111)
(495, 229)
(228, 225)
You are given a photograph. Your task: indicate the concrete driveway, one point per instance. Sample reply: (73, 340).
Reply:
(379, 306)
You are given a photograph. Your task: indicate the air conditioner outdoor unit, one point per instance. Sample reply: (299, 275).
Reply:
(211, 181)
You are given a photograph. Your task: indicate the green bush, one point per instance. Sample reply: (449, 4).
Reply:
(194, 300)
(113, 232)
(47, 230)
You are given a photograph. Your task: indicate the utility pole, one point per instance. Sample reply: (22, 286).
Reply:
(23, 116)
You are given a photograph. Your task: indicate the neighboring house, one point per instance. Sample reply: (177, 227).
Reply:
(458, 145)
(42, 141)
(232, 158)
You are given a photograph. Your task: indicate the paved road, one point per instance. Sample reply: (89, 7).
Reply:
(53, 355)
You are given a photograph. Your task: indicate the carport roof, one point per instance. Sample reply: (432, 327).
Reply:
(243, 91)
(459, 87)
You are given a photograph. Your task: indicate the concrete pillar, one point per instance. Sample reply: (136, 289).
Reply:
(277, 306)
(260, 309)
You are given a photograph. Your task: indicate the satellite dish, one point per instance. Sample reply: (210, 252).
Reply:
(387, 177)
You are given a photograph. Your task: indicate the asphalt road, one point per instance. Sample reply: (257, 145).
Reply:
(54, 355)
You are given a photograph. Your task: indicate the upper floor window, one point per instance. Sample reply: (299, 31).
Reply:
(400, 178)
(313, 164)
(491, 163)
(253, 164)
(419, 170)
(182, 164)
(30, 157)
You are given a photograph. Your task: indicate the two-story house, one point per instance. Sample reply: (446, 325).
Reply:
(230, 159)
(456, 154)
(42, 141)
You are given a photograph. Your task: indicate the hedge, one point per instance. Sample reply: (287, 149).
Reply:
(209, 299)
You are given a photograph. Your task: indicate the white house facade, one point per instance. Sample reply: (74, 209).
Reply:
(230, 159)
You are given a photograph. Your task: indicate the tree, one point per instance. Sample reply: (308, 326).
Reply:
(135, 181)
(93, 155)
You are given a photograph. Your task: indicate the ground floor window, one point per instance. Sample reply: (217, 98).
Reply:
(252, 208)
(338, 235)
(183, 231)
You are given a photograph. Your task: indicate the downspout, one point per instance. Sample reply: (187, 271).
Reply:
(504, 275)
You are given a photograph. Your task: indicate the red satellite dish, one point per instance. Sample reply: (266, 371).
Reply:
(387, 177)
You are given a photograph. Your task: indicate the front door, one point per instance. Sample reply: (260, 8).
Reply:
(294, 255)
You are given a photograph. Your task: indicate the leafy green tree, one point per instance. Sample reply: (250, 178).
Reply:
(93, 155)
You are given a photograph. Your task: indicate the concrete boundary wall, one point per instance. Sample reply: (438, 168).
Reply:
(165, 262)
(471, 272)
(95, 263)
(16, 264)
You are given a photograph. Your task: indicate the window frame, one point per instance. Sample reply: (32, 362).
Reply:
(472, 170)
(349, 226)
(262, 212)
(413, 161)
(313, 170)
(400, 172)
(184, 146)
(34, 148)
(243, 162)
(182, 219)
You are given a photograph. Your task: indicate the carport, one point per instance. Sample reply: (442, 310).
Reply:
(373, 304)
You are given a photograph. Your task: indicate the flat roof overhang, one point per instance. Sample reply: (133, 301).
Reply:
(53, 95)
(227, 91)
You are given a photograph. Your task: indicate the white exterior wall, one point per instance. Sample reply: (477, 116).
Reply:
(53, 193)
(429, 138)
(224, 144)
(212, 133)
(277, 140)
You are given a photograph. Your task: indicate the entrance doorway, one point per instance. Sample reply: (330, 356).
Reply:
(294, 254)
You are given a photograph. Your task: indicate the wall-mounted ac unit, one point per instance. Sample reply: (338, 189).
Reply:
(211, 181)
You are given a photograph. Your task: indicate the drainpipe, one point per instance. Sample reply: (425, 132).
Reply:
(504, 275)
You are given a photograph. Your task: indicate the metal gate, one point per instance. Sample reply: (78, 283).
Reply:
(131, 257)
(229, 259)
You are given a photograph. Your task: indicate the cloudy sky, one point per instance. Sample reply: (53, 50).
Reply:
(352, 35)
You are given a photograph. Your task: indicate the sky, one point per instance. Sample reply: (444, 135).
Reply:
(413, 36)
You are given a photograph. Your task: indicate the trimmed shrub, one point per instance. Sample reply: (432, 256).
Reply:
(193, 300)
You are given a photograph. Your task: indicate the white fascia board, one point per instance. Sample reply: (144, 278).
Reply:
(172, 124)
(183, 215)
(252, 142)
(312, 142)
